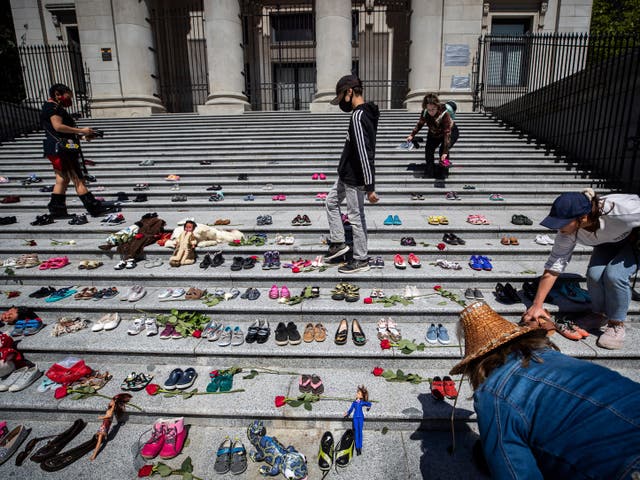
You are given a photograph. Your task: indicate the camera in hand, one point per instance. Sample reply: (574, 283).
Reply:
(98, 133)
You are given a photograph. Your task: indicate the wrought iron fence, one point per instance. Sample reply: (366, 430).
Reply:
(181, 54)
(279, 54)
(44, 65)
(574, 93)
(380, 49)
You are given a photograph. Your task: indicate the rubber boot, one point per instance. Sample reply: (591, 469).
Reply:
(58, 206)
(93, 206)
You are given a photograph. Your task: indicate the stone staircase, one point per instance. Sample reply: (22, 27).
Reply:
(406, 433)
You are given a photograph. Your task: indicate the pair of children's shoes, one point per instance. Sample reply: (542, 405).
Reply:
(310, 384)
(231, 457)
(167, 439)
(340, 454)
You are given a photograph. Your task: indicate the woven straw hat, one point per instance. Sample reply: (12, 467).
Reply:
(484, 331)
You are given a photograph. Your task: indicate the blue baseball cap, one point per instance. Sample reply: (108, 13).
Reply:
(565, 208)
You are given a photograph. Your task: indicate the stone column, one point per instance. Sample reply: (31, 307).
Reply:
(333, 50)
(122, 86)
(223, 31)
(425, 53)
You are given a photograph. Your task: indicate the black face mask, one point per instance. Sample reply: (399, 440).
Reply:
(345, 106)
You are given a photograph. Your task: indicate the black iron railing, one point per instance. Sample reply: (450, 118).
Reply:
(574, 93)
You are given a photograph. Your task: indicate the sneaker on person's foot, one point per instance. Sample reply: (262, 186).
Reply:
(336, 250)
(355, 266)
(612, 338)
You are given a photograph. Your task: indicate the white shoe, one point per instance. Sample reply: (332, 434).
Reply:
(178, 294)
(26, 379)
(120, 265)
(137, 327)
(114, 321)
(165, 295)
(136, 293)
(543, 240)
(98, 326)
(13, 378)
(151, 326)
(130, 263)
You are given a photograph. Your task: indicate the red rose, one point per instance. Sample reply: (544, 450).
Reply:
(254, 257)
(437, 288)
(368, 300)
(385, 344)
(377, 371)
(215, 373)
(295, 269)
(441, 246)
(138, 236)
(13, 294)
(237, 242)
(280, 401)
(197, 333)
(145, 471)
(152, 388)
(60, 392)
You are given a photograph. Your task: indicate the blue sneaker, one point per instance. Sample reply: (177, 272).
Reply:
(443, 335)
(486, 264)
(475, 262)
(396, 220)
(388, 220)
(432, 334)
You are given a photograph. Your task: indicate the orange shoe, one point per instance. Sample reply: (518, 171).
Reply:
(567, 329)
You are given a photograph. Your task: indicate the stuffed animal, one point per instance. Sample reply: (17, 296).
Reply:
(287, 461)
(185, 251)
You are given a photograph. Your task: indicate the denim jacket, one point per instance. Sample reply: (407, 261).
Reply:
(563, 418)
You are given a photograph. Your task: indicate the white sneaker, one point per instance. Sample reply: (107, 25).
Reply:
(165, 295)
(178, 294)
(120, 265)
(151, 326)
(136, 327)
(544, 240)
(26, 379)
(136, 293)
(612, 337)
(13, 378)
(114, 321)
(98, 326)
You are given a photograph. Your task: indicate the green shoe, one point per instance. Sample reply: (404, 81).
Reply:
(226, 382)
(214, 384)
(344, 449)
(325, 454)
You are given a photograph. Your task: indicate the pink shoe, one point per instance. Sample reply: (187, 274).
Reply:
(315, 176)
(156, 442)
(282, 197)
(275, 198)
(273, 293)
(174, 441)
(284, 292)
(323, 176)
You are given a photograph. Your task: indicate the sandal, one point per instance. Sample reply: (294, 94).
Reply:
(238, 458)
(325, 454)
(383, 332)
(344, 449)
(223, 457)
(394, 332)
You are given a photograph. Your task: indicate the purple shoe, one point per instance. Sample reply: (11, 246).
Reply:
(167, 332)
(268, 260)
(275, 260)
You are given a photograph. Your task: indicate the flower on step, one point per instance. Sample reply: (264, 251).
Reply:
(441, 246)
(152, 388)
(385, 344)
(306, 400)
(400, 376)
(368, 300)
(197, 333)
(60, 392)
(437, 288)
(447, 295)
(138, 236)
(236, 242)
(404, 346)
(145, 471)
(295, 270)
(377, 371)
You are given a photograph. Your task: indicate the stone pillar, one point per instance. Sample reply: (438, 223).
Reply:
(425, 52)
(333, 50)
(122, 86)
(223, 31)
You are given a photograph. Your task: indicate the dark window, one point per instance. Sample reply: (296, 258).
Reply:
(292, 27)
(355, 25)
(508, 57)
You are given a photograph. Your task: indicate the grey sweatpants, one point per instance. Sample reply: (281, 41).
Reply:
(355, 210)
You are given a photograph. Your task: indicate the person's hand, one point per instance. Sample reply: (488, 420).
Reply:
(372, 197)
(87, 132)
(346, 415)
(534, 313)
(409, 138)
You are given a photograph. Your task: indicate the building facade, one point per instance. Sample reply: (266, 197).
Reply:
(229, 56)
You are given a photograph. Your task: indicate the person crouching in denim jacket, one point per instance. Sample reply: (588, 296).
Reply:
(542, 414)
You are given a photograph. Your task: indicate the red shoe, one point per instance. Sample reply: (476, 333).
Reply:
(174, 439)
(414, 261)
(568, 330)
(449, 388)
(437, 388)
(152, 448)
(399, 262)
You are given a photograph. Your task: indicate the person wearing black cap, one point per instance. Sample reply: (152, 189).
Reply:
(356, 175)
(609, 224)
(60, 128)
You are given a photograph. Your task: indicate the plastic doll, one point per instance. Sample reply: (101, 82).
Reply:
(362, 400)
(185, 251)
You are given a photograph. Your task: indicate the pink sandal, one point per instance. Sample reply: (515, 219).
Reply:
(284, 292)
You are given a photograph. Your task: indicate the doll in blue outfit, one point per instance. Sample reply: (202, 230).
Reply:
(362, 400)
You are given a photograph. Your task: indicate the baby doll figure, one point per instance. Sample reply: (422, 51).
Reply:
(185, 251)
(362, 400)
